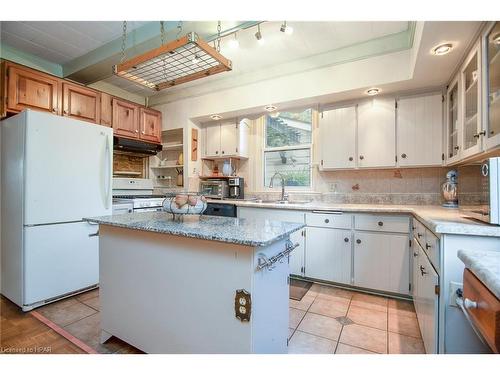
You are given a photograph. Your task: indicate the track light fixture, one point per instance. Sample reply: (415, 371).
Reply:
(258, 35)
(286, 29)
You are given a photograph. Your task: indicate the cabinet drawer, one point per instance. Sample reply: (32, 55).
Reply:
(329, 220)
(486, 316)
(382, 223)
(431, 248)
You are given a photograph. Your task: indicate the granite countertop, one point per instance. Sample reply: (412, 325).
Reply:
(485, 265)
(224, 229)
(438, 219)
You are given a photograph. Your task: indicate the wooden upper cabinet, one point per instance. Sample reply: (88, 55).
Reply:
(125, 119)
(150, 125)
(106, 109)
(81, 103)
(27, 88)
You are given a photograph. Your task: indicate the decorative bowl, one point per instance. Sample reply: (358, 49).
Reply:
(185, 204)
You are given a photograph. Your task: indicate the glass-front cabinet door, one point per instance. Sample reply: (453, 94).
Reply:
(491, 68)
(453, 122)
(471, 104)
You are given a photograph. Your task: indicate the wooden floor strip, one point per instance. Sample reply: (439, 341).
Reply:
(63, 333)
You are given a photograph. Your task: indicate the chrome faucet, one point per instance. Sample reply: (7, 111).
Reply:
(284, 197)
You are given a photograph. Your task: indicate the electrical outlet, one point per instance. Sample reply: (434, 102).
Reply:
(333, 186)
(453, 292)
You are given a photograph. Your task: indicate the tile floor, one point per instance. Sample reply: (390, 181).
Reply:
(327, 320)
(331, 320)
(80, 316)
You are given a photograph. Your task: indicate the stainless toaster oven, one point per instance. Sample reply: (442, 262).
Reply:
(217, 189)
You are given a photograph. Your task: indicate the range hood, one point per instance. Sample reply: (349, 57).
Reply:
(135, 147)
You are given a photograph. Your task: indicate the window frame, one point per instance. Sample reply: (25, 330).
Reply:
(305, 146)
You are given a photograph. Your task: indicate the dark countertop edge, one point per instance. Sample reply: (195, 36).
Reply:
(200, 237)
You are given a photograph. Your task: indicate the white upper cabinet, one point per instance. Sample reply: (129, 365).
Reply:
(338, 138)
(377, 133)
(470, 82)
(453, 122)
(212, 140)
(420, 130)
(491, 86)
(227, 139)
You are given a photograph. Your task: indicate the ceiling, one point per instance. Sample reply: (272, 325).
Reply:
(308, 39)
(61, 41)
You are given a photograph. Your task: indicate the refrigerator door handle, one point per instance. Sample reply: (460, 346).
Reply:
(107, 178)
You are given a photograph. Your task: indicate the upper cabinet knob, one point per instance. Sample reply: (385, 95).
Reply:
(327, 221)
(380, 223)
(403, 156)
(361, 157)
(346, 239)
(351, 158)
(358, 241)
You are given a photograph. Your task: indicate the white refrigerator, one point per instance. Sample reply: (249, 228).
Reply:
(55, 171)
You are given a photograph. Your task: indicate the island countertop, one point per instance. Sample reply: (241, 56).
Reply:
(246, 232)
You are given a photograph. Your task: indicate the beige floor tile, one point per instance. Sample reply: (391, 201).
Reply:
(364, 337)
(66, 311)
(87, 295)
(405, 325)
(400, 344)
(334, 306)
(401, 307)
(348, 349)
(304, 343)
(92, 302)
(368, 317)
(303, 304)
(320, 325)
(326, 292)
(369, 301)
(88, 330)
(295, 316)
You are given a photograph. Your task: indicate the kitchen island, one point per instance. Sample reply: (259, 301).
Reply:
(200, 285)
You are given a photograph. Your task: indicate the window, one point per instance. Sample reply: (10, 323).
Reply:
(287, 148)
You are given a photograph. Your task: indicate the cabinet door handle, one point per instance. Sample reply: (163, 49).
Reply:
(361, 157)
(137, 131)
(427, 246)
(54, 110)
(216, 152)
(346, 239)
(456, 148)
(469, 304)
(351, 158)
(422, 271)
(415, 254)
(222, 152)
(403, 156)
(380, 223)
(327, 221)
(358, 241)
(419, 235)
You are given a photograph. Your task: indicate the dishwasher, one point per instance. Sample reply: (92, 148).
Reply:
(220, 209)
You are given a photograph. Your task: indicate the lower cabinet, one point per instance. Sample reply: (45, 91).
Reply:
(425, 298)
(382, 262)
(329, 254)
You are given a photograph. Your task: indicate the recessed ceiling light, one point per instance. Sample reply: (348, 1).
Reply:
(442, 49)
(216, 117)
(373, 91)
(270, 108)
(233, 43)
(286, 29)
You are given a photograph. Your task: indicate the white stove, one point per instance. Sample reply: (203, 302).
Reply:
(137, 194)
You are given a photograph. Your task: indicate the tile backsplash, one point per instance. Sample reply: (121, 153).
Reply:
(416, 186)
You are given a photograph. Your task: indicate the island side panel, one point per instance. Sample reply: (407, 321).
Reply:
(171, 294)
(270, 302)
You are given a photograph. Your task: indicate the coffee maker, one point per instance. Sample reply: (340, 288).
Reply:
(236, 188)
